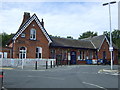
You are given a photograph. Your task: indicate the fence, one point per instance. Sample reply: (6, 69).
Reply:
(26, 62)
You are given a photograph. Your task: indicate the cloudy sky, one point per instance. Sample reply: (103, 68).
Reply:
(61, 18)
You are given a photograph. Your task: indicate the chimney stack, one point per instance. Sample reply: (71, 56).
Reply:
(42, 22)
(26, 16)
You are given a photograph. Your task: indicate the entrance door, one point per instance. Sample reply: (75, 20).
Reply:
(73, 57)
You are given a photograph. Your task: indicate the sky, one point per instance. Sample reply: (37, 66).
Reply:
(60, 18)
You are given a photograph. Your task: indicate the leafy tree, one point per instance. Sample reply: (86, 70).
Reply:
(87, 34)
(4, 37)
(115, 37)
(70, 37)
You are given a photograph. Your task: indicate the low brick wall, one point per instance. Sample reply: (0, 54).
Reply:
(81, 62)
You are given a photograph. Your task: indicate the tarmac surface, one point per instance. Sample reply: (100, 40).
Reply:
(74, 76)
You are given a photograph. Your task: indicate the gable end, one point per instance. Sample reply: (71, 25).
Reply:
(34, 17)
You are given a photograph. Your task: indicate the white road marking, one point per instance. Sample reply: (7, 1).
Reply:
(115, 74)
(47, 77)
(94, 85)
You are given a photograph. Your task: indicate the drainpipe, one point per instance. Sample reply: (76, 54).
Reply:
(13, 47)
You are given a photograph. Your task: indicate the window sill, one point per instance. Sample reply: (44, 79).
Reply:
(33, 39)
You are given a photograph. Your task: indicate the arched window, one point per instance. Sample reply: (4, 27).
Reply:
(22, 52)
(33, 34)
(38, 52)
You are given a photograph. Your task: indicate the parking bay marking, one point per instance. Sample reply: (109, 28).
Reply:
(94, 85)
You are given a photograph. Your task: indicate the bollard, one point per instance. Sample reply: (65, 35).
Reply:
(51, 64)
(57, 63)
(61, 62)
(36, 65)
(54, 63)
(46, 64)
(1, 76)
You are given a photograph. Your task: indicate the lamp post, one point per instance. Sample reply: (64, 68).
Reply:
(110, 46)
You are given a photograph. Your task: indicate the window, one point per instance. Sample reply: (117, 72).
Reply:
(22, 53)
(69, 58)
(23, 35)
(33, 34)
(53, 54)
(90, 55)
(5, 55)
(84, 55)
(79, 56)
(38, 52)
(104, 55)
(64, 55)
(1, 55)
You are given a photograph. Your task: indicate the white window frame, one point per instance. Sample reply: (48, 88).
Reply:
(39, 52)
(22, 52)
(69, 56)
(32, 34)
(23, 35)
(5, 55)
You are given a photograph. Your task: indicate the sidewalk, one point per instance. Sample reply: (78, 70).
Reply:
(108, 71)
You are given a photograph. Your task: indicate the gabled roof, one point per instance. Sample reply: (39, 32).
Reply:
(88, 43)
(73, 43)
(97, 41)
(26, 24)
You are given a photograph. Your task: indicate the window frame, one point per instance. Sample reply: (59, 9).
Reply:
(23, 35)
(22, 52)
(39, 52)
(33, 34)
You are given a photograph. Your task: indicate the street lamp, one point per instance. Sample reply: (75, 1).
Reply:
(110, 46)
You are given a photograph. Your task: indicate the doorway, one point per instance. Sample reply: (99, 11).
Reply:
(73, 57)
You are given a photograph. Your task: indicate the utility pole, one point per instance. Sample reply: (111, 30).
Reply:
(110, 46)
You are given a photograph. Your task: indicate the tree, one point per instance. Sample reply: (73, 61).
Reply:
(115, 37)
(4, 37)
(87, 34)
(70, 37)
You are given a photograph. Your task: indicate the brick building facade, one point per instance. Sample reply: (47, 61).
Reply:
(32, 41)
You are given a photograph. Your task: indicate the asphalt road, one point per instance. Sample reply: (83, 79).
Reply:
(76, 76)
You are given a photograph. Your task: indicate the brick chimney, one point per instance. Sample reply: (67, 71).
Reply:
(42, 22)
(26, 16)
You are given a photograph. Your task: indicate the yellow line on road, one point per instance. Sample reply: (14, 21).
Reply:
(6, 68)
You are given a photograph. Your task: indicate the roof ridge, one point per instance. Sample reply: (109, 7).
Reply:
(93, 44)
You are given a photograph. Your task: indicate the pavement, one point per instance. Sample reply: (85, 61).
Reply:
(74, 76)
(109, 71)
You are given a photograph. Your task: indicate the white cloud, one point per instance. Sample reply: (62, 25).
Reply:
(62, 19)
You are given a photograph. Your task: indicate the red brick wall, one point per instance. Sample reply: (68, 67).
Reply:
(41, 41)
(8, 50)
(105, 47)
(59, 51)
(115, 56)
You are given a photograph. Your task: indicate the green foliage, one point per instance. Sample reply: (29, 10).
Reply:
(115, 37)
(87, 34)
(4, 37)
(70, 37)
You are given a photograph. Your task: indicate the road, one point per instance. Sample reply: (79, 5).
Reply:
(76, 76)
